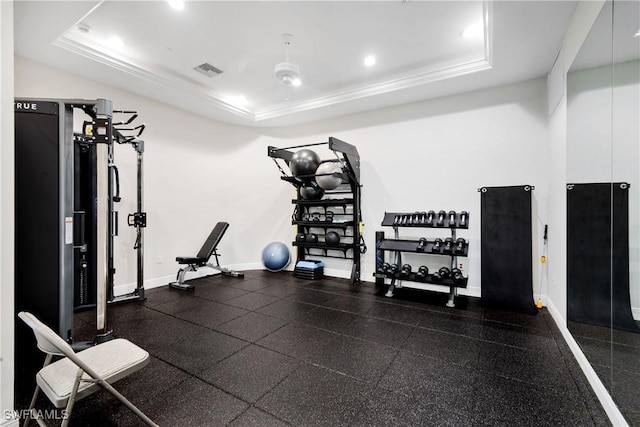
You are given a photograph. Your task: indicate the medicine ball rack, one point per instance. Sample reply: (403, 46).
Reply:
(346, 197)
(451, 221)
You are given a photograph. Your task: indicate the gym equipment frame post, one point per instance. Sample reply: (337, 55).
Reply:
(138, 220)
(397, 246)
(348, 157)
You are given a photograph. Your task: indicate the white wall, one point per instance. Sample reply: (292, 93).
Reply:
(6, 212)
(196, 172)
(436, 154)
(428, 155)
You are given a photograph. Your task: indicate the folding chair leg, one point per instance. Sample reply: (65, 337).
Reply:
(27, 419)
(72, 398)
(128, 404)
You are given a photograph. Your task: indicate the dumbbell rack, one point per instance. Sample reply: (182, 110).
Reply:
(397, 246)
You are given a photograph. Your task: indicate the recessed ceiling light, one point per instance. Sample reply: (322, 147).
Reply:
(637, 34)
(176, 4)
(115, 42)
(369, 60)
(472, 31)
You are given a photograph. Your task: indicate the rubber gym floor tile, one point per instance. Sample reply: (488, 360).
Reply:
(430, 380)
(501, 401)
(199, 352)
(249, 284)
(209, 313)
(341, 287)
(452, 323)
(251, 372)
(518, 319)
(251, 326)
(445, 346)
(194, 403)
(590, 331)
(522, 365)
(314, 396)
(152, 380)
(155, 336)
(297, 340)
(157, 296)
(254, 417)
(217, 292)
(625, 390)
(287, 309)
(530, 338)
(252, 301)
(331, 320)
(383, 407)
(396, 313)
(311, 296)
(380, 331)
(280, 290)
(351, 304)
(364, 360)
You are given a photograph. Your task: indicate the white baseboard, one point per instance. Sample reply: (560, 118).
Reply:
(636, 313)
(615, 416)
(157, 282)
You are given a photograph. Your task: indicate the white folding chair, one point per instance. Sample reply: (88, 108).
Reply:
(78, 375)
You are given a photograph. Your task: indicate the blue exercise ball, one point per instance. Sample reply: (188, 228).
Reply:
(275, 256)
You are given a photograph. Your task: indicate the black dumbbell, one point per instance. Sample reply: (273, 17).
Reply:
(393, 269)
(405, 270)
(300, 238)
(437, 244)
(430, 217)
(460, 244)
(423, 218)
(452, 218)
(463, 218)
(311, 238)
(384, 268)
(422, 273)
(436, 277)
(448, 245)
(441, 216)
(444, 272)
(405, 219)
(397, 219)
(422, 243)
(456, 275)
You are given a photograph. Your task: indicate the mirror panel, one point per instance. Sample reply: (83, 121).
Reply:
(625, 346)
(603, 233)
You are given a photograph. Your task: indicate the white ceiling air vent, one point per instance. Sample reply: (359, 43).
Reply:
(208, 70)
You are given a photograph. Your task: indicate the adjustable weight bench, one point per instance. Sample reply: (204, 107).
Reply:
(207, 250)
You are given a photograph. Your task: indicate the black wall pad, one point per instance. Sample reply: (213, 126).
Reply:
(505, 248)
(598, 255)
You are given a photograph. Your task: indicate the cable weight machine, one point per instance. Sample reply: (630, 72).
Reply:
(67, 185)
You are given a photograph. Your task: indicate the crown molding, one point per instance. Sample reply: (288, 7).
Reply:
(71, 42)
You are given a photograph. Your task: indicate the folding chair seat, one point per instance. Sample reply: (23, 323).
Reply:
(78, 375)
